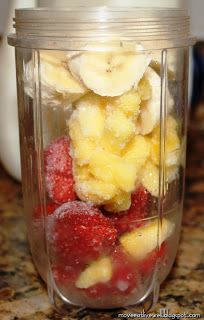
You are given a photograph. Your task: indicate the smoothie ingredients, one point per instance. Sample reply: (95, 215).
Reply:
(80, 234)
(58, 86)
(141, 241)
(58, 171)
(103, 174)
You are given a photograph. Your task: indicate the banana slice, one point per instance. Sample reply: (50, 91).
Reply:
(150, 111)
(109, 73)
(58, 86)
(97, 271)
(140, 242)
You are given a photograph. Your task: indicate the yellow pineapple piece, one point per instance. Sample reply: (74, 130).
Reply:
(111, 144)
(120, 202)
(128, 103)
(144, 89)
(111, 168)
(141, 241)
(119, 125)
(150, 178)
(83, 149)
(99, 271)
(137, 151)
(90, 121)
(94, 191)
(172, 143)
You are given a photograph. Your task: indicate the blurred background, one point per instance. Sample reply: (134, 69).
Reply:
(9, 143)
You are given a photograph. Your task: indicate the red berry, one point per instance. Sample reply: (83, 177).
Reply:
(124, 278)
(139, 210)
(64, 275)
(58, 169)
(57, 156)
(50, 208)
(147, 265)
(60, 187)
(123, 281)
(80, 234)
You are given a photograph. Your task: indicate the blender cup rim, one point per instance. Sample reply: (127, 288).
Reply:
(68, 28)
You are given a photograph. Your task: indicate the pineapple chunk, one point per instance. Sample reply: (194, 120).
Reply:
(111, 168)
(138, 150)
(99, 271)
(83, 149)
(120, 202)
(110, 143)
(90, 120)
(119, 125)
(172, 143)
(144, 89)
(143, 240)
(128, 103)
(94, 191)
(150, 178)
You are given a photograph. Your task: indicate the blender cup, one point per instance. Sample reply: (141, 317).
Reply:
(102, 97)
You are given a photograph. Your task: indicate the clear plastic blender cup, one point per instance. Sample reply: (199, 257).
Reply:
(102, 96)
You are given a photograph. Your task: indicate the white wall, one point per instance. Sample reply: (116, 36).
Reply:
(144, 3)
(196, 9)
(4, 8)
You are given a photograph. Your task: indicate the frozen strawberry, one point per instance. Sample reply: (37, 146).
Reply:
(60, 187)
(50, 208)
(57, 156)
(80, 234)
(124, 278)
(139, 209)
(148, 264)
(64, 275)
(58, 171)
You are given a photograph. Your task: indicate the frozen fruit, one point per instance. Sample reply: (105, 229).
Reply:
(64, 275)
(141, 241)
(147, 265)
(58, 86)
(120, 202)
(119, 125)
(150, 110)
(60, 187)
(80, 234)
(99, 271)
(58, 171)
(124, 277)
(107, 155)
(49, 209)
(172, 144)
(110, 74)
(150, 178)
(139, 210)
(57, 156)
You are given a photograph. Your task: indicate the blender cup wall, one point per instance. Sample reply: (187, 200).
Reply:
(103, 138)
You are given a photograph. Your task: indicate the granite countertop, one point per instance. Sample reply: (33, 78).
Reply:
(23, 294)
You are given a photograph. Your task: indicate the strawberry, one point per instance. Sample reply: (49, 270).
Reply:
(60, 187)
(124, 278)
(81, 234)
(147, 265)
(139, 209)
(64, 274)
(38, 211)
(58, 171)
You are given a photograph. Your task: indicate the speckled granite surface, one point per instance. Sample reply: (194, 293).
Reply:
(23, 294)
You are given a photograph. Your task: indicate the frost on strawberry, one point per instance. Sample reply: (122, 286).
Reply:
(58, 171)
(79, 234)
